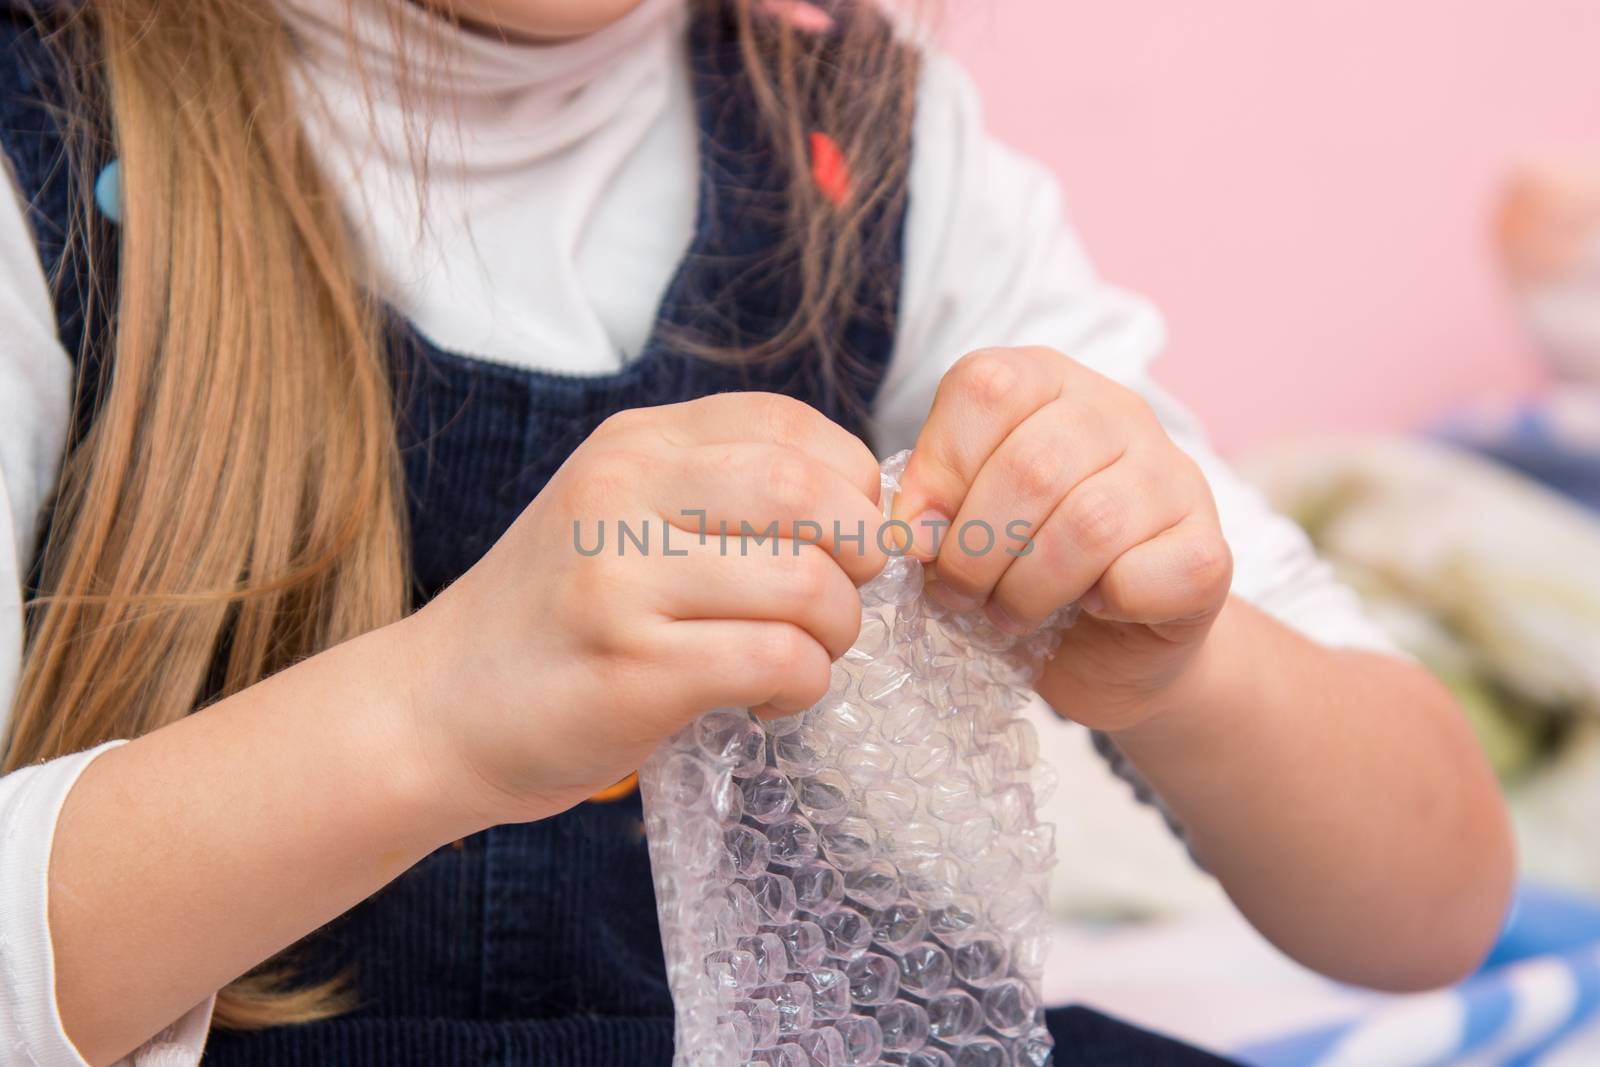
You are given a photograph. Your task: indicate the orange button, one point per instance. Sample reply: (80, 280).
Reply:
(618, 791)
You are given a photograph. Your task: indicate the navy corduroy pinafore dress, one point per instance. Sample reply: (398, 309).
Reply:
(528, 944)
(531, 945)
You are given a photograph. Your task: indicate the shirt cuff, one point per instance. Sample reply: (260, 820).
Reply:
(30, 803)
(180, 1044)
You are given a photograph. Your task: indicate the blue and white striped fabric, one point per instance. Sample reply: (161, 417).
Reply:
(1535, 1004)
(1554, 439)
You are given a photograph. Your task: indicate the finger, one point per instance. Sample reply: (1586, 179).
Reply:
(776, 581)
(1102, 517)
(772, 418)
(722, 492)
(978, 402)
(1065, 442)
(744, 664)
(1180, 576)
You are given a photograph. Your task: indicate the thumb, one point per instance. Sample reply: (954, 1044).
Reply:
(930, 496)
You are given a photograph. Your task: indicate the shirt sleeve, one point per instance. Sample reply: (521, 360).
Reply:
(992, 260)
(35, 405)
(30, 801)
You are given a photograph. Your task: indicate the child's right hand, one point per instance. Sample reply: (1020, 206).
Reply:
(545, 675)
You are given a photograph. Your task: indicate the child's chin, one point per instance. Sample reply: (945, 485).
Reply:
(544, 20)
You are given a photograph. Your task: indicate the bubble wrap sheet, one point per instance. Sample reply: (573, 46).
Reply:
(863, 883)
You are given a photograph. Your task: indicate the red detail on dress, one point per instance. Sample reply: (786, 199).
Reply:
(829, 169)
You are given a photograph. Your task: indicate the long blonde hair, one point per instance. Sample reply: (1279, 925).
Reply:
(235, 504)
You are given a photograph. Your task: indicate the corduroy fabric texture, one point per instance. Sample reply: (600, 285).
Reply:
(531, 945)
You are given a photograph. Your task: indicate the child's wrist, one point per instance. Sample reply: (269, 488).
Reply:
(421, 775)
(1183, 703)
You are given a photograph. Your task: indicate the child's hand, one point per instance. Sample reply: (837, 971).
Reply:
(552, 672)
(1031, 443)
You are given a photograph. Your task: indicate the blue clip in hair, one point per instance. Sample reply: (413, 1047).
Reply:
(108, 191)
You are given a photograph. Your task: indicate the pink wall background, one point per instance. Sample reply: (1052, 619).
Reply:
(1305, 186)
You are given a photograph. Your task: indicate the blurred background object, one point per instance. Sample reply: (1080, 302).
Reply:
(1309, 190)
(1550, 240)
(1374, 229)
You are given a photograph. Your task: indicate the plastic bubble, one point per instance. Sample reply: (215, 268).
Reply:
(747, 850)
(805, 944)
(889, 804)
(863, 882)
(955, 797)
(696, 844)
(729, 738)
(762, 1016)
(824, 797)
(727, 798)
(1043, 780)
(684, 781)
(782, 1056)
(1008, 1006)
(980, 961)
(953, 1015)
(767, 958)
(849, 843)
(739, 1035)
(1035, 847)
(863, 1040)
(1031, 951)
(984, 1052)
(839, 718)
(881, 682)
(904, 1025)
(925, 970)
(793, 1001)
(971, 838)
(868, 764)
(932, 882)
(876, 885)
(774, 895)
(768, 796)
(848, 932)
(995, 869)
(908, 724)
(872, 642)
(915, 843)
(1034, 1049)
(797, 754)
(825, 1046)
(830, 992)
(782, 725)
(792, 842)
(955, 923)
(874, 979)
(818, 888)
(743, 911)
(1013, 908)
(932, 759)
(899, 926)
(731, 971)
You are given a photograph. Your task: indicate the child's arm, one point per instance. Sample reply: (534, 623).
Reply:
(543, 675)
(191, 854)
(1338, 795)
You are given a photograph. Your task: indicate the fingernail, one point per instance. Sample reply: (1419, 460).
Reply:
(1004, 620)
(902, 540)
(927, 532)
(950, 598)
(1092, 602)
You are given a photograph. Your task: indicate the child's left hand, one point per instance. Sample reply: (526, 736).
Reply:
(1119, 518)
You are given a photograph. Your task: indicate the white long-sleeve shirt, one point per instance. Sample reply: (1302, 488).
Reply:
(560, 198)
